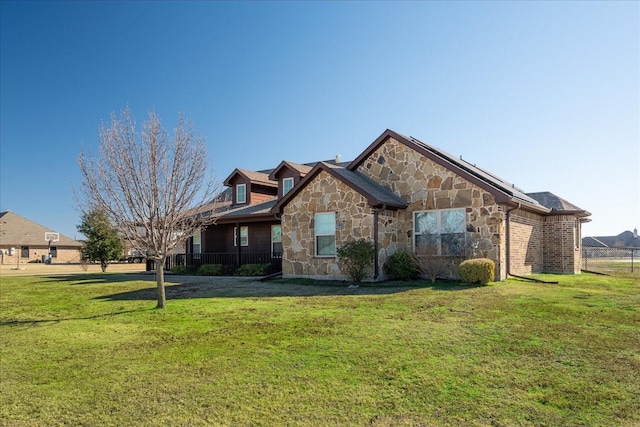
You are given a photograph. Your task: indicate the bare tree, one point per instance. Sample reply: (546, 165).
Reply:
(432, 263)
(148, 183)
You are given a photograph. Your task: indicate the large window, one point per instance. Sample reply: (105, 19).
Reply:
(442, 230)
(241, 193)
(54, 251)
(325, 231)
(287, 185)
(244, 236)
(276, 239)
(24, 252)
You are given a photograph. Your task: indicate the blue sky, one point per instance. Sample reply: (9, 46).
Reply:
(543, 94)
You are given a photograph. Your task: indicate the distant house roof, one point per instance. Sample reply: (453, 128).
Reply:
(375, 194)
(626, 239)
(16, 230)
(593, 241)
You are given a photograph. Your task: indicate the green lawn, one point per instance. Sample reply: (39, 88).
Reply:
(91, 350)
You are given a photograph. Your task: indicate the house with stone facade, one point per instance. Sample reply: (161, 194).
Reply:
(23, 241)
(400, 194)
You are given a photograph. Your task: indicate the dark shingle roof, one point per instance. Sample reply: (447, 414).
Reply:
(555, 203)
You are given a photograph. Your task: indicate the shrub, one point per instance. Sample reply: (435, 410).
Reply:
(210, 270)
(403, 265)
(479, 270)
(434, 262)
(182, 270)
(252, 270)
(355, 258)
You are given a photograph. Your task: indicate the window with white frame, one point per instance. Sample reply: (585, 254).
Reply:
(53, 250)
(287, 185)
(276, 239)
(444, 229)
(241, 193)
(325, 232)
(197, 242)
(576, 234)
(244, 236)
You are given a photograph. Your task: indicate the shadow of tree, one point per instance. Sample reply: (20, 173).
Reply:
(30, 322)
(213, 287)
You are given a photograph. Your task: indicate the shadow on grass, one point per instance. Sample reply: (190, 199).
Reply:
(213, 287)
(29, 322)
(76, 279)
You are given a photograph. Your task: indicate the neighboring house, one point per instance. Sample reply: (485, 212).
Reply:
(399, 193)
(23, 241)
(626, 239)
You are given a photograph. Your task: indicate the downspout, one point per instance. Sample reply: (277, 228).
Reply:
(376, 265)
(375, 244)
(508, 240)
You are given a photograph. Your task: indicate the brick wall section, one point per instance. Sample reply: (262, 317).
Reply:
(64, 256)
(560, 253)
(526, 240)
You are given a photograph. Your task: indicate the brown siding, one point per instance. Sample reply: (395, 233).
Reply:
(259, 198)
(287, 173)
(219, 238)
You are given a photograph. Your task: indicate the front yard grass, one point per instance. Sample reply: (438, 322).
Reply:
(91, 350)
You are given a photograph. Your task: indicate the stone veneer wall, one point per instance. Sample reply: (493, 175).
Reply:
(354, 220)
(426, 185)
(560, 252)
(526, 231)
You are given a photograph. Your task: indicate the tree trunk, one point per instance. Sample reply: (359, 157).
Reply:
(104, 265)
(162, 297)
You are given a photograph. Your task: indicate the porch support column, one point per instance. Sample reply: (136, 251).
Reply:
(239, 243)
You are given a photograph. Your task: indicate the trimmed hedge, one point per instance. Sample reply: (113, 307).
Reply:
(183, 270)
(211, 270)
(403, 265)
(252, 270)
(478, 270)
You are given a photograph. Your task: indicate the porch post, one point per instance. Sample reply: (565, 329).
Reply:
(239, 243)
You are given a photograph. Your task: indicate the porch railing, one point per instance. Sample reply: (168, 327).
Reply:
(230, 260)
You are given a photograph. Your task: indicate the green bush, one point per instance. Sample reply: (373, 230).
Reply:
(182, 270)
(479, 270)
(403, 265)
(210, 270)
(356, 258)
(252, 270)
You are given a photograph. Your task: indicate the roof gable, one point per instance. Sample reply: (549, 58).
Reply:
(297, 167)
(261, 178)
(375, 194)
(499, 188)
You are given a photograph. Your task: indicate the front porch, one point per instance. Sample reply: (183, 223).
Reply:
(229, 260)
